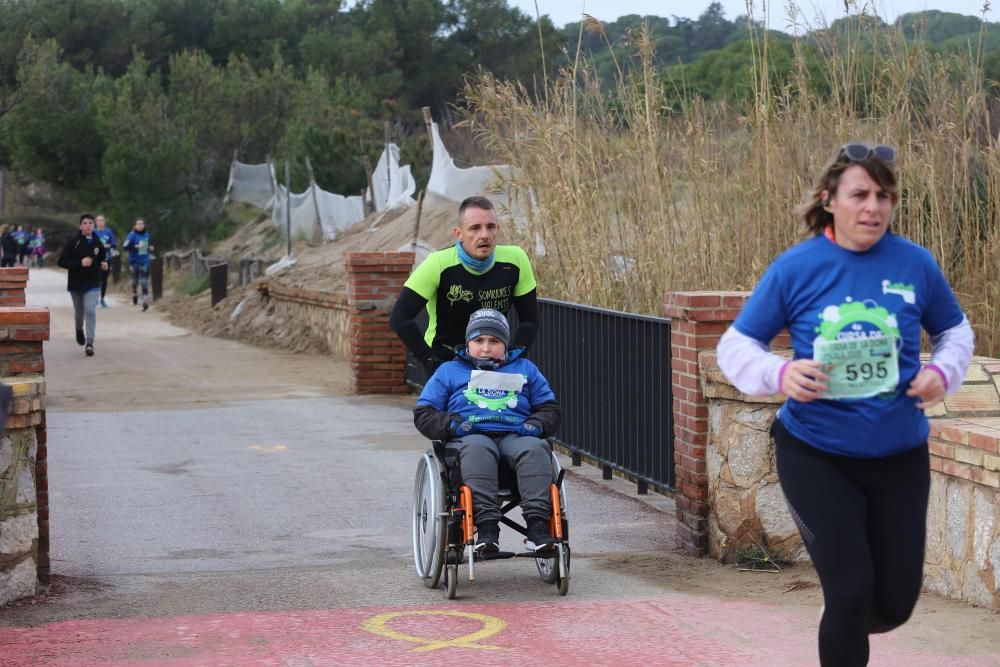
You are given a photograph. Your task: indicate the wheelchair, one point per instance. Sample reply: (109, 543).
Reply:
(443, 529)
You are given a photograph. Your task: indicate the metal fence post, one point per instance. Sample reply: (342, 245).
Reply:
(156, 277)
(219, 281)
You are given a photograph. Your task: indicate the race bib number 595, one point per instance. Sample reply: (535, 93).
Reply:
(858, 367)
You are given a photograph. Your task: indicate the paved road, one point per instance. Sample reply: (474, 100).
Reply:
(219, 504)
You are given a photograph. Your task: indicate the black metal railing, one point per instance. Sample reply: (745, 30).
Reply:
(611, 374)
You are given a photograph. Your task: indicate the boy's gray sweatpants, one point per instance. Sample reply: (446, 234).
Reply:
(531, 458)
(85, 309)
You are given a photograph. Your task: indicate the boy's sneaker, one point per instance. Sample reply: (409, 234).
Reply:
(80, 338)
(89, 350)
(488, 537)
(135, 300)
(145, 307)
(538, 536)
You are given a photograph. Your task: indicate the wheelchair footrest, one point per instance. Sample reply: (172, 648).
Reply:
(494, 555)
(551, 553)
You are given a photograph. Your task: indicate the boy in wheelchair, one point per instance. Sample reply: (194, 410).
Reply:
(494, 407)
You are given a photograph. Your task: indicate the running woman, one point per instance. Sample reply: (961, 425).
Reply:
(851, 438)
(138, 246)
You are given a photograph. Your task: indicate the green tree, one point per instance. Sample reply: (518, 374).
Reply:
(331, 124)
(502, 40)
(52, 133)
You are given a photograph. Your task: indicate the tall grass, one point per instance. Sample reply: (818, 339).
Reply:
(631, 199)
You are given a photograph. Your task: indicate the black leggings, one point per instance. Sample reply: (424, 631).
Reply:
(104, 283)
(864, 524)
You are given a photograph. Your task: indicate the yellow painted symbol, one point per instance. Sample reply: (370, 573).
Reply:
(269, 449)
(379, 625)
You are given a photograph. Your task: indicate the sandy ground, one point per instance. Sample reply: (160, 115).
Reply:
(316, 267)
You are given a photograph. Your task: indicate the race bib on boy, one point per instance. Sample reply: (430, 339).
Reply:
(858, 367)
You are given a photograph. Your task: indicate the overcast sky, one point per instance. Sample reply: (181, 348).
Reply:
(566, 11)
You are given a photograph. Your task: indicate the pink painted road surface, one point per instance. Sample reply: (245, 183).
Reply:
(679, 630)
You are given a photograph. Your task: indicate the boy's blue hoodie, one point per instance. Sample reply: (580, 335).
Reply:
(465, 396)
(138, 247)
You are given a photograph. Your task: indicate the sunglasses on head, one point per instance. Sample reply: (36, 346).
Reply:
(861, 152)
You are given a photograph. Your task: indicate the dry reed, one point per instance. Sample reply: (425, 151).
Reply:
(631, 199)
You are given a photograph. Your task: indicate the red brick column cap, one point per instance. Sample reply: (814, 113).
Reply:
(20, 315)
(720, 306)
(391, 261)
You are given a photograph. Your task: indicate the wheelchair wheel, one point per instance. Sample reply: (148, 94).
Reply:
(429, 521)
(563, 582)
(548, 568)
(451, 581)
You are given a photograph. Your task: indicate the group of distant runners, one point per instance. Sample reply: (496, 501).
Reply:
(21, 246)
(87, 256)
(850, 439)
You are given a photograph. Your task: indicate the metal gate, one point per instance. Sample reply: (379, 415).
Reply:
(611, 374)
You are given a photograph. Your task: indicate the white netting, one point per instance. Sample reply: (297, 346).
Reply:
(251, 184)
(455, 183)
(338, 213)
(318, 215)
(393, 185)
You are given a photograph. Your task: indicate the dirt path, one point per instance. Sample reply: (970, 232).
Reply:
(142, 360)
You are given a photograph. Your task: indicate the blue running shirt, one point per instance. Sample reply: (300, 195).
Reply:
(818, 289)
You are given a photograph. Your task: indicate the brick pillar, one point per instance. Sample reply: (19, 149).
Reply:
(22, 331)
(698, 320)
(13, 280)
(378, 357)
(22, 366)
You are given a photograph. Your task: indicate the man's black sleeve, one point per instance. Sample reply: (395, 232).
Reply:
(526, 306)
(434, 424)
(548, 416)
(403, 320)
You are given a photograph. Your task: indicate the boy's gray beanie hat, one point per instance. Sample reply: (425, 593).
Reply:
(488, 322)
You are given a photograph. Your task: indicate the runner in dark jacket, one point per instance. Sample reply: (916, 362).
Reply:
(85, 258)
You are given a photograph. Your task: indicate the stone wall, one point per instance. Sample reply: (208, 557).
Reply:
(746, 504)
(355, 324)
(326, 314)
(21, 508)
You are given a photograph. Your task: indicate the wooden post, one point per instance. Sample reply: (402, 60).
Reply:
(416, 225)
(273, 180)
(388, 155)
(229, 186)
(368, 173)
(288, 208)
(315, 198)
(428, 125)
